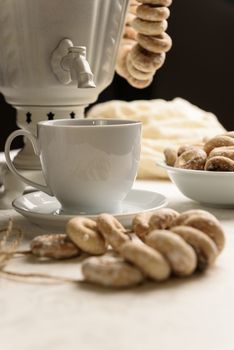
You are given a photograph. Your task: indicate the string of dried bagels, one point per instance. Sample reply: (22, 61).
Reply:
(145, 43)
(160, 244)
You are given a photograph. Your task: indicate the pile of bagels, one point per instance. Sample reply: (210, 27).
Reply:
(144, 44)
(159, 244)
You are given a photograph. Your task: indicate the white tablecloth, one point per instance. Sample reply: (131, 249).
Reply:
(193, 313)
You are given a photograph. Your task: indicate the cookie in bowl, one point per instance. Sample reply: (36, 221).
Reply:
(204, 172)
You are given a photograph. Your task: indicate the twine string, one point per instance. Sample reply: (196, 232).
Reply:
(10, 239)
(36, 277)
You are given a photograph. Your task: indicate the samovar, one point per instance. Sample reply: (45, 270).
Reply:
(56, 57)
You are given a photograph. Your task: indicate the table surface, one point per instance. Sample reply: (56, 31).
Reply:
(192, 313)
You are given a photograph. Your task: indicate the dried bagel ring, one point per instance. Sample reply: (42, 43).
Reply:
(162, 219)
(218, 141)
(150, 13)
(194, 159)
(112, 230)
(55, 246)
(146, 61)
(203, 245)
(219, 163)
(129, 33)
(180, 220)
(138, 83)
(133, 7)
(137, 74)
(187, 214)
(110, 271)
(143, 223)
(84, 233)
(140, 224)
(147, 259)
(156, 2)
(121, 67)
(208, 225)
(122, 70)
(183, 217)
(156, 44)
(129, 18)
(178, 253)
(149, 28)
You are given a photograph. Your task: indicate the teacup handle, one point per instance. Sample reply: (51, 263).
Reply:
(11, 166)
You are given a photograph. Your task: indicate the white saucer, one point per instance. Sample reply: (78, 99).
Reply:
(43, 210)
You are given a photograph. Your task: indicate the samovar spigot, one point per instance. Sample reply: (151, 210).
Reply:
(69, 63)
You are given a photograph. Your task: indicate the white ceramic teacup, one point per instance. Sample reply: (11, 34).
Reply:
(88, 165)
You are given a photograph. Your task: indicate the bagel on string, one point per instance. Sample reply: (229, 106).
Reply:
(145, 25)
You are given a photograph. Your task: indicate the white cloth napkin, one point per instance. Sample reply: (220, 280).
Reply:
(165, 124)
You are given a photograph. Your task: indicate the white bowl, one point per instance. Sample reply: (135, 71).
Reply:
(215, 189)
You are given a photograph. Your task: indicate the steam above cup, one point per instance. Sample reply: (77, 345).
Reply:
(88, 165)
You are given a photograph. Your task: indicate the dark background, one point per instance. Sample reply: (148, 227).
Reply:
(199, 68)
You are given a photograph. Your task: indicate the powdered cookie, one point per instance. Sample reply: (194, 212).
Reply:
(156, 44)
(149, 28)
(204, 246)
(170, 155)
(56, 246)
(178, 253)
(227, 152)
(148, 260)
(194, 159)
(218, 141)
(219, 163)
(110, 271)
(185, 148)
(84, 233)
(154, 14)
